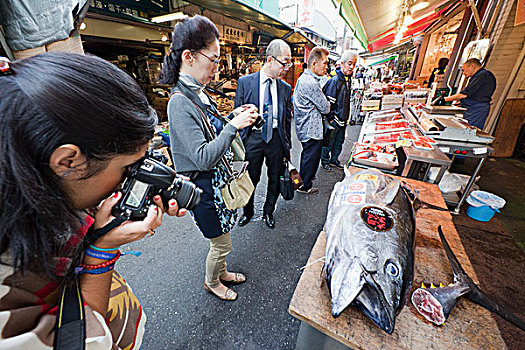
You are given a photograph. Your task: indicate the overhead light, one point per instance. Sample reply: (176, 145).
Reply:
(164, 37)
(169, 17)
(398, 38)
(408, 20)
(83, 26)
(419, 6)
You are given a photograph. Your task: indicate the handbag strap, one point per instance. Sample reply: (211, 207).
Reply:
(210, 133)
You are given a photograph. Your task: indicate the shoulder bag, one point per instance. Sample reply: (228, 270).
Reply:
(239, 187)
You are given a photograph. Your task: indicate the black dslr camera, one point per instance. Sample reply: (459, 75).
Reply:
(149, 177)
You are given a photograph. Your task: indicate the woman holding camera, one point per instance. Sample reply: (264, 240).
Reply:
(70, 126)
(191, 63)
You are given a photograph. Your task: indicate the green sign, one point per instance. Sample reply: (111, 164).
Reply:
(135, 10)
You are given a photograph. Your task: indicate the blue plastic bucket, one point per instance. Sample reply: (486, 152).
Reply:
(483, 205)
(482, 213)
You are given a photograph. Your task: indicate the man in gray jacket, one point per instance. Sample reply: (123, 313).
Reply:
(309, 103)
(34, 27)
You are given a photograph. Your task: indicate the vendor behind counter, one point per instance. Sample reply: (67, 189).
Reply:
(477, 95)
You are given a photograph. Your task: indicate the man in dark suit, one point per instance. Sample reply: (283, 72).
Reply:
(271, 142)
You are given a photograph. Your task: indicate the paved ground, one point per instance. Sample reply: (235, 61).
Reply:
(168, 277)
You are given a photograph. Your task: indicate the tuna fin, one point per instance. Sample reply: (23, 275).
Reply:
(475, 294)
(387, 195)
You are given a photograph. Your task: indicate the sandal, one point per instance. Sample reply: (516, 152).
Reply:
(230, 295)
(239, 278)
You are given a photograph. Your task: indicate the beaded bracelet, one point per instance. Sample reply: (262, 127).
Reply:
(99, 255)
(104, 264)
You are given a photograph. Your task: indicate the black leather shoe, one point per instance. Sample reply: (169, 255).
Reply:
(337, 165)
(326, 167)
(245, 219)
(269, 220)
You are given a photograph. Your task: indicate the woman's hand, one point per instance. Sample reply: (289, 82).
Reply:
(246, 116)
(130, 231)
(242, 108)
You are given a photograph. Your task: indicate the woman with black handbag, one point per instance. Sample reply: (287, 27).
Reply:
(202, 151)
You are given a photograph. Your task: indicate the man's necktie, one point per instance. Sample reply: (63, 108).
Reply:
(267, 128)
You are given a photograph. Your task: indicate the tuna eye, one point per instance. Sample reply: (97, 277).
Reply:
(392, 269)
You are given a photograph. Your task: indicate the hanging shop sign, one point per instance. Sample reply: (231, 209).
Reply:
(140, 11)
(234, 34)
(306, 13)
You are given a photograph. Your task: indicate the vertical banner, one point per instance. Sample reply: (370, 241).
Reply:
(307, 51)
(306, 13)
(520, 13)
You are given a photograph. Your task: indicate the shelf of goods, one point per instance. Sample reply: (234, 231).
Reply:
(225, 103)
(392, 140)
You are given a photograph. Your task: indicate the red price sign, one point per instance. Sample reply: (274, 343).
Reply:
(376, 218)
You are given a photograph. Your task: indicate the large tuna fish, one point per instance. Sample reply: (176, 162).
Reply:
(369, 257)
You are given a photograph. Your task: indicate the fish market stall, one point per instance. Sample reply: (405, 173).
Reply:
(383, 132)
(469, 327)
(455, 137)
(429, 136)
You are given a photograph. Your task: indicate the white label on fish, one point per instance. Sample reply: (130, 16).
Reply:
(352, 194)
(365, 177)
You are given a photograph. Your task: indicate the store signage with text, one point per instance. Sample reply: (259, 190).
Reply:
(134, 10)
(234, 34)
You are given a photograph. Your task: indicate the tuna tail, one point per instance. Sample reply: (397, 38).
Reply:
(435, 304)
(475, 294)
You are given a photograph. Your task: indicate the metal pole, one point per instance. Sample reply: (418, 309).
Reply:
(469, 184)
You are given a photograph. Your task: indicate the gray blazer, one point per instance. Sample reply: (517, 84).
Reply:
(190, 147)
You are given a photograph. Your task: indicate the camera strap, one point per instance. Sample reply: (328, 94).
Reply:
(99, 232)
(70, 326)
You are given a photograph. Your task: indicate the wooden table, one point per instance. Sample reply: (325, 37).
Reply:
(469, 326)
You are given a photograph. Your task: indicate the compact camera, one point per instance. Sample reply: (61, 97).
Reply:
(259, 122)
(149, 177)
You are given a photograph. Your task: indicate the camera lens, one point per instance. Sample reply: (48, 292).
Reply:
(185, 193)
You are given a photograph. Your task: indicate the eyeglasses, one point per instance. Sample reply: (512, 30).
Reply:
(285, 65)
(214, 61)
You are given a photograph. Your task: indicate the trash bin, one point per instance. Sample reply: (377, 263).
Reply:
(483, 205)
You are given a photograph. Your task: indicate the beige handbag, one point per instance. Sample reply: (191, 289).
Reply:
(239, 187)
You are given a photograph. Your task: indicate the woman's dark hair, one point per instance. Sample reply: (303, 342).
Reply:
(443, 62)
(50, 100)
(194, 33)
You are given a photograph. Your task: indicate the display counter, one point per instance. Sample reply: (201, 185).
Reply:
(428, 137)
(468, 327)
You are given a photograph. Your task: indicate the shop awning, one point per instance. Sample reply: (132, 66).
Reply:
(245, 12)
(393, 57)
(375, 23)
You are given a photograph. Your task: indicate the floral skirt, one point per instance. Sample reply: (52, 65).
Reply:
(211, 215)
